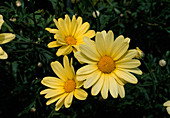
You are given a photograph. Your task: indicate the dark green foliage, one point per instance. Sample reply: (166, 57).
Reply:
(146, 22)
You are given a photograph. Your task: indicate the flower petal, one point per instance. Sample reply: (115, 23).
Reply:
(80, 94)
(53, 44)
(64, 50)
(92, 79)
(126, 76)
(98, 85)
(54, 92)
(3, 54)
(87, 69)
(133, 70)
(113, 87)
(60, 102)
(52, 82)
(68, 100)
(105, 88)
(121, 91)
(67, 67)
(100, 43)
(109, 42)
(6, 37)
(134, 63)
(167, 103)
(59, 70)
(53, 99)
(1, 21)
(52, 30)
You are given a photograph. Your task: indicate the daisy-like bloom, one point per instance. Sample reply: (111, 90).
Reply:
(140, 53)
(63, 89)
(110, 64)
(4, 38)
(167, 104)
(69, 34)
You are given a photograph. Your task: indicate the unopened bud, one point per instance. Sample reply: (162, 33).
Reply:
(94, 13)
(18, 3)
(32, 109)
(39, 64)
(162, 62)
(140, 53)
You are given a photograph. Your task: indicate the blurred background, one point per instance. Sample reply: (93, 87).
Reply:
(145, 22)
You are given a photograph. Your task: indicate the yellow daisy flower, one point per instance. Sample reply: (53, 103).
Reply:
(63, 89)
(4, 38)
(69, 34)
(167, 104)
(110, 64)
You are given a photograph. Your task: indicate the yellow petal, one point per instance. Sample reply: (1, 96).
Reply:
(92, 79)
(168, 110)
(118, 80)
(3, 54)
(105, 88)
(64, 50)
(53, 99)
(73, 25)
(134, 63)
(53, 44)
(113, 87)
(83, 77)
(52, 82)
(80, 94)
(52, 30)
(128, 56)
(120, 51)
(59, 70)
(89, 53)
(89, 34)
(100, 43)
(6, 37)
(68, 100)
(61, 26)
(54, 92)
(133, 70)
(104, 34)
(60, 102)
(121, 91)
(87, 69)
(126, 76)
(167, 103)
(84, 59)
(1, 21)
(68, 23)
(67, 67)
(109, 42)
(98, 85)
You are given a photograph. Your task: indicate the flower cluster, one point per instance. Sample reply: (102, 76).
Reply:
(109, 63)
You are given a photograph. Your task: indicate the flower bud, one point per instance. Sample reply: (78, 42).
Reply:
(94, 13)
(39, 64)
(140, 53)
(32, 109)
(162, 62)
(18, 3)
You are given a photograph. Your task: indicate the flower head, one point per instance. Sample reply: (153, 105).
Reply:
(63, 89)
(4, 38)
(167, 104)
(69, 34)
(110, 64)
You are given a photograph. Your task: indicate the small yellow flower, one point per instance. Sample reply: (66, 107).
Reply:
(4, 38)
(69, 34)
(110, 64)
(167, 104)
(63, 89)
(140, 53)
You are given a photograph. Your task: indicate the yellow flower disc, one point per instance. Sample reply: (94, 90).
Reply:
(106, 64)
(69, 86)
(70, 40)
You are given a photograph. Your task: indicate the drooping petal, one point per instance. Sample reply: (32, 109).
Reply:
(121, 91)
(105, 88)
(3, 54)
(98, 85)
(58, 70)
(64, 50)
(80, 94)
(60, 102)
(68, 100)
(6, 37)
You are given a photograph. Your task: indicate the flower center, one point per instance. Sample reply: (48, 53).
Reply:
(70, 40)
(106, 64)
(69, 86)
